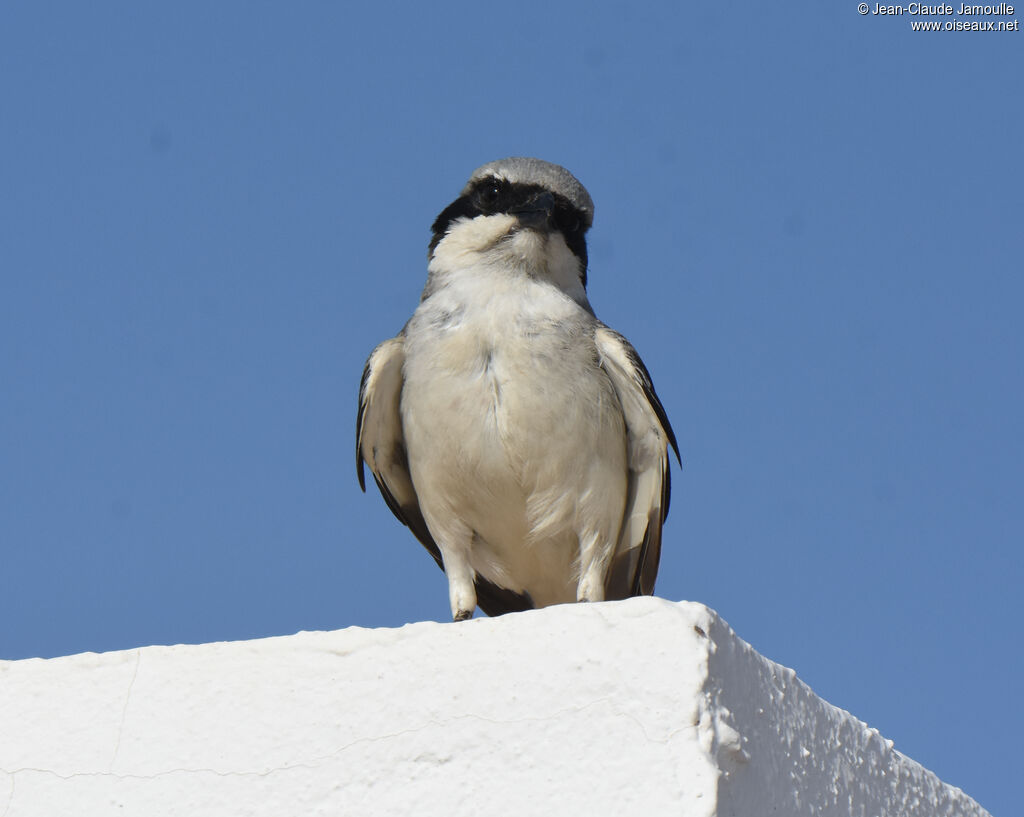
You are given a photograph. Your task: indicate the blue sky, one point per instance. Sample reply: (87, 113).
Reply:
(808, 221)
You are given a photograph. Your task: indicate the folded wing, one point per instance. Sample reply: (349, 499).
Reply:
(380, 443)
(634, 567)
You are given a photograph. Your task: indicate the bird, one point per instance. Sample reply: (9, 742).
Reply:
(517, 436)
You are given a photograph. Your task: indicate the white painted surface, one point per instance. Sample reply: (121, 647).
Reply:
(636, 707)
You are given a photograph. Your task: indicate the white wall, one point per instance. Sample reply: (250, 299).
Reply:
(635, 707)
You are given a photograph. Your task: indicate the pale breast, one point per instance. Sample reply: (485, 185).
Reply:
(510, 394)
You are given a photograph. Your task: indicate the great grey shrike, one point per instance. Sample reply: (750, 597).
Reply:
(518, 437)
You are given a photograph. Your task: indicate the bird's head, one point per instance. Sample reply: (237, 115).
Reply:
(518, 214)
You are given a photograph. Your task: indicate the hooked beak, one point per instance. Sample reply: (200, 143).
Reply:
(535, 213)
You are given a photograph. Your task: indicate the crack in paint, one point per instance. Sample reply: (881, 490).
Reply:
(124, 711)
(10, 796)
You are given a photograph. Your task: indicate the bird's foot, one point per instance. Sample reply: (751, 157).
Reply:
(461, 589)
(591, 588)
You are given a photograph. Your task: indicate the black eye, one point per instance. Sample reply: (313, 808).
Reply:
(489, 193)
(567, 219)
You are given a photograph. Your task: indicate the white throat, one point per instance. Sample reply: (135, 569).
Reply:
(497, 246)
